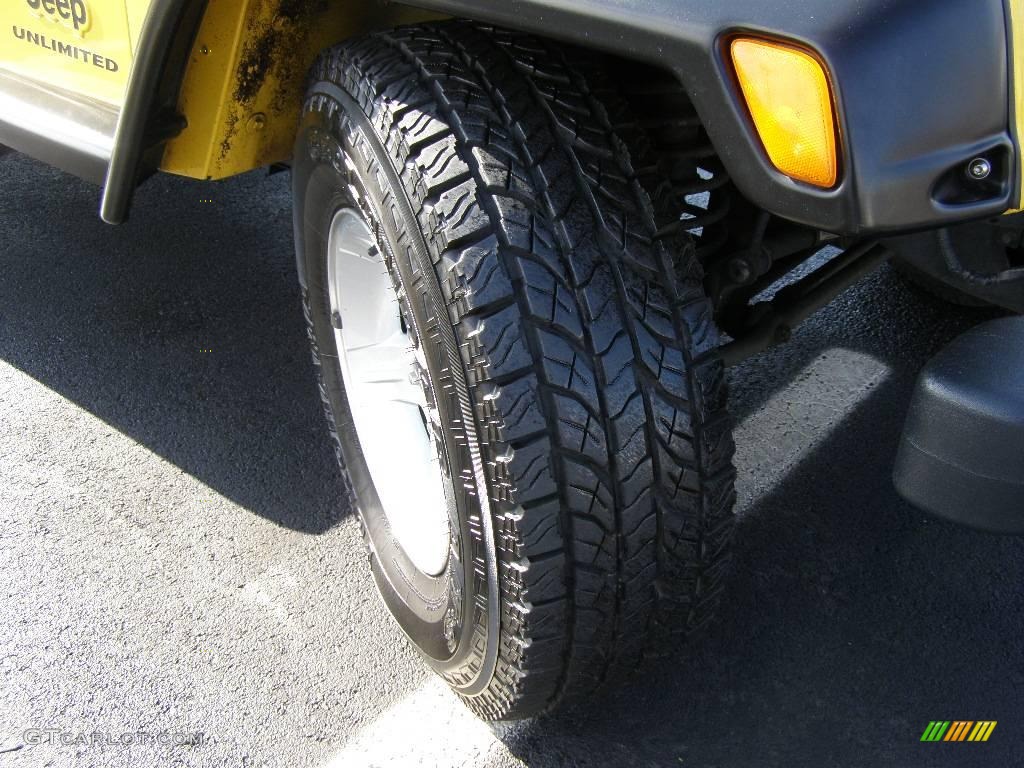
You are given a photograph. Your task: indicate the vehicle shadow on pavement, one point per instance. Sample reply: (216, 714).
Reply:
(851, 621)
(181, 329)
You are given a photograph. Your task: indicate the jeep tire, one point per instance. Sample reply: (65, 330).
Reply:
(564, 345)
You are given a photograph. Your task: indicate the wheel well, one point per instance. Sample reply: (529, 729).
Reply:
(243, 87)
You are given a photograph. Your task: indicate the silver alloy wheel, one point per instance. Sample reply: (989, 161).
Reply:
(382, 367)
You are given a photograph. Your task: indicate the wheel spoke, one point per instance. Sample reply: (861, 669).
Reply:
(380, 366)
(385, 370)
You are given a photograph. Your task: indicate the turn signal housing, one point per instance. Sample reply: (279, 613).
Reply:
(790, 101)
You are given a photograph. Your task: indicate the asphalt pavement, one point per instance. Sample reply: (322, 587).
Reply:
(175, 564)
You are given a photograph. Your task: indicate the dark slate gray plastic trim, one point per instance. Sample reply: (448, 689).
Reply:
(160, 33)
(962, 453)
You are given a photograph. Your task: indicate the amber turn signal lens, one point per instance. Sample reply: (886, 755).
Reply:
(789, 98)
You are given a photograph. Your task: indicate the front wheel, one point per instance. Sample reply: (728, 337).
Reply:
(517, 361)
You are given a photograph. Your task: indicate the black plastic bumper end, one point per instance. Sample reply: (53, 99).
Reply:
(962, 454)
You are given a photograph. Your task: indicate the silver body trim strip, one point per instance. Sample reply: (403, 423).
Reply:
(56, 126)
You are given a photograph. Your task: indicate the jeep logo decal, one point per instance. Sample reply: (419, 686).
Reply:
(69, 13)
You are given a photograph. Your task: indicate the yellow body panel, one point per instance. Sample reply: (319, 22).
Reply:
(1017, 100)
(243, 86)
(136, 10)
(81, 46)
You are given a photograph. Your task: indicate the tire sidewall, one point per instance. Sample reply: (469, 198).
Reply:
(452, 618)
